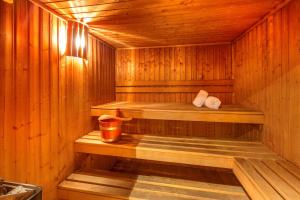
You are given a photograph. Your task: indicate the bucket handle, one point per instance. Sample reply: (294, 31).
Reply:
(103, 117)
(124, 119)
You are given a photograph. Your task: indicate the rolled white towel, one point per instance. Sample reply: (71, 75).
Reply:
(200, 98)
(212, 102)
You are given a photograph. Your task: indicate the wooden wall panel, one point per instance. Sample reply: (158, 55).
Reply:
(45, 97)
(6, 85)
(267, 77)
(101, 76)
(185, 70)
(150, 74)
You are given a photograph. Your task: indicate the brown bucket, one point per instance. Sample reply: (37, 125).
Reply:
(110, 129)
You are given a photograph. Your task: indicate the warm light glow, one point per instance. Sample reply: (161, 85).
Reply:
(62, 39)
(9, 1)
(78, 41)
(82, 39)
(111, 36)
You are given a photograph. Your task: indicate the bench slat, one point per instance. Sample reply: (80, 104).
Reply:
(179, 111)
(289, 178)
(278, 184)
(108, 184)
(290, 167)
(180, 150)
(256, 186)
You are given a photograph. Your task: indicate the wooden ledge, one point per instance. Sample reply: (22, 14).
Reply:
(177, 111)
(194, 151)
(113, 185)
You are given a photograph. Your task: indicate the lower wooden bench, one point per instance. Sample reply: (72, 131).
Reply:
(268, 179)
(194, 151)
(113, 185)
(262, 173)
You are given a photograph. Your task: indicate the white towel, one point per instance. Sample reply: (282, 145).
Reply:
(200, 98)
(212, 102)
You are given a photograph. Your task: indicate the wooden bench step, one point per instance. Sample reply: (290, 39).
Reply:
(178, 171)
(194, 151)
(268, 179)
(112, 185)
(179, 111)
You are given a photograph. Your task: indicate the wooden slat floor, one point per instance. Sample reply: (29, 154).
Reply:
(180, 111)
(194, 151)
(268, 180)
(90, 185)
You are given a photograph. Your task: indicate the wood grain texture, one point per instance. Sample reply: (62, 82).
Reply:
(136, 23)
(267, 179)
(193, 151)
(187, 172)
(165, 68)
(6, 85)
(213, 179)
(183, 68)
(115, 185)
(45, 96)
(180, 112)
(267, 77)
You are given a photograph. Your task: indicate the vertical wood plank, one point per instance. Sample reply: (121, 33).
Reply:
(33, 162)
(267, 70)
(174, 64)
(45, 96)
(22, 86)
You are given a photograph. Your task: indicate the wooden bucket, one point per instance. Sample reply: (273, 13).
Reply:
(110, 129)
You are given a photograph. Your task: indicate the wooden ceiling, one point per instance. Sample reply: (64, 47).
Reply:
(145, 23)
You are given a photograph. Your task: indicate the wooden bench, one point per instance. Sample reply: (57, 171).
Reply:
(194, 151)
(113, 185)
(178, 111)
(268, 179)
(262, 173)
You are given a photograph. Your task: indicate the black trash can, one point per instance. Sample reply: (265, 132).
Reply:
(33, 192)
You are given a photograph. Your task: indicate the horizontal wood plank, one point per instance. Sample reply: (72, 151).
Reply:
(175, 89)
(191, 151)
(175, 83)
(130, 186)
(176, 111)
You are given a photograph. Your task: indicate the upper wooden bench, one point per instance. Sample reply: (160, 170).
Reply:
(194, 151)
(179, 111)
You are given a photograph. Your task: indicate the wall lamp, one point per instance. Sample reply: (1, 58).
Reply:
(77, 40)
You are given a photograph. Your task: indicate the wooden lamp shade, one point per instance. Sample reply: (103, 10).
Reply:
(77, 40)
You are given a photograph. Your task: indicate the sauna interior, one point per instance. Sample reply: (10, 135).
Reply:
(139, 63)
